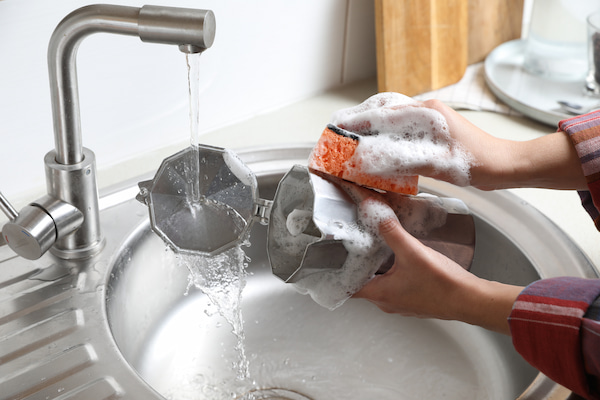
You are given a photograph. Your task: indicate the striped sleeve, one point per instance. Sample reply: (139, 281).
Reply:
(554, 326)
(590, 337)
(584, 132)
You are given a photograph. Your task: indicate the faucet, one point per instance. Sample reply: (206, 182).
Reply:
(66, 220)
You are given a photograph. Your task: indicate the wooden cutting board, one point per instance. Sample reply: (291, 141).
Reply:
(491, 23)
(424, 45)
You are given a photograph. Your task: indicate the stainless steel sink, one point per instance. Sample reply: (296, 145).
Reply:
(118, 325)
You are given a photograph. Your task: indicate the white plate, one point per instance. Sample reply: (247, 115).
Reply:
(529, 94)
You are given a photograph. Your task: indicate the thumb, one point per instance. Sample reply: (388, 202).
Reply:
(380, 217)
(395, 236)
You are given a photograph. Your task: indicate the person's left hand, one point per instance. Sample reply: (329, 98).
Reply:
(426, 284)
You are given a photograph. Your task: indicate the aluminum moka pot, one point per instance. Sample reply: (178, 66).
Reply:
(302, 218)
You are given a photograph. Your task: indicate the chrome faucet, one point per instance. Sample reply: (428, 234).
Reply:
(66, 220)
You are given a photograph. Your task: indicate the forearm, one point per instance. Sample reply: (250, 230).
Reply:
(489, 305)
(548, 162)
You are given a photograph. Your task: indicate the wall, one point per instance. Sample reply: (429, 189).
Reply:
(134, 95)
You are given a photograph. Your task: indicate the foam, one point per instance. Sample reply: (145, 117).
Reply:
(373, 212)
(399, 137)
(367, 250)
(419, 214)
(366, 253)
(297, 221)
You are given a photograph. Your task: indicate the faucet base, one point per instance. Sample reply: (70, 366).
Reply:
(78, 254)
(76, 184)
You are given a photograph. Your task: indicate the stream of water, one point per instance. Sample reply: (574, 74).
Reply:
(193, 67)
(221, 277)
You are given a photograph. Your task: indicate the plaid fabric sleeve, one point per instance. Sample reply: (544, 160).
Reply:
(555, 323)
(584, 132)
(555, 327)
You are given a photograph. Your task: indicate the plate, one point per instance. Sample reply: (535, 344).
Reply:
(534, 96)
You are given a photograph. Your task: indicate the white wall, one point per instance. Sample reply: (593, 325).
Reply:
(134, 95)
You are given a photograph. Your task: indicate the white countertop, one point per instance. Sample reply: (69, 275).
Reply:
(303, 122)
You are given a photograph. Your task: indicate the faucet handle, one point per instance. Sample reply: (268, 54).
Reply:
(7, 208)
(31, 234)
(9, 211)
(39, 225)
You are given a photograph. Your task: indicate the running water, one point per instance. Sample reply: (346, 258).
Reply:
(221, 277)
(193, 67)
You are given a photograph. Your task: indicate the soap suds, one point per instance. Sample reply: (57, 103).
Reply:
(399, 137)
(372, 213)
(367, 251)
(297, 221)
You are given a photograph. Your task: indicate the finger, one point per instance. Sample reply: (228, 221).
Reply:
(370, 290)
(395, 235)
(378, 215)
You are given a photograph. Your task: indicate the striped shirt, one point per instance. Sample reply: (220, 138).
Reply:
(555, 323)
(584, 132)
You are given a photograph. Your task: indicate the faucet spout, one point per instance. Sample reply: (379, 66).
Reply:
(192, 30)
(67, 220)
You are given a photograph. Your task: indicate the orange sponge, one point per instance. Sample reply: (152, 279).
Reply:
(333, 155)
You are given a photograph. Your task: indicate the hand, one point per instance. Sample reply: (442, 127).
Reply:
(425, 284)
(549, 161)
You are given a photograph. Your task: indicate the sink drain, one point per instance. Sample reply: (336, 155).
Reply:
(273, 394)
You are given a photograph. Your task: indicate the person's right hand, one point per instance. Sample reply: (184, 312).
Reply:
(549, 161)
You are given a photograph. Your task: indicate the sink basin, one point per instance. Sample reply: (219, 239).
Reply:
(175, 341)
(118, 325)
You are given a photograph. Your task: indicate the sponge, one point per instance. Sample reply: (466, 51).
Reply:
(333, 155)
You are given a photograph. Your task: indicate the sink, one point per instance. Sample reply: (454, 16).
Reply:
(296, 349)
(123, 324)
